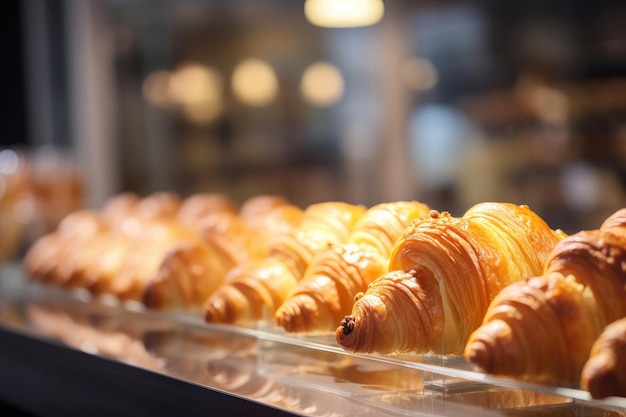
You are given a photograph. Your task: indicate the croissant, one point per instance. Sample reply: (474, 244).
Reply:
(604, 372)
(142, 259)
(195, 208)
(326, 292)
(113, 249)
(119, 206)
(444, 271)
(241, 237)
(158, 205)
(258, 287)
(41, 261)
(191, 271)
(257, 205)
(541, 329)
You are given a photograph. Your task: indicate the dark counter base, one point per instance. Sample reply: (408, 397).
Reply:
(43, 378)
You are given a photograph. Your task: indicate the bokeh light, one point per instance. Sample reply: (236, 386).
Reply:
(198, 90)
(194, 89)
(344, 13)
(254, 82)
(322, 84)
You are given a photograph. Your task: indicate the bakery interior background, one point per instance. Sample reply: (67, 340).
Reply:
(447, 102)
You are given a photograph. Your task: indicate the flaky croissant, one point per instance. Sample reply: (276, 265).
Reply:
(118, 248)
(196, 207)
(255, 289)
(542, 328)
(604, 373)
(42, 260)
(191, 271)
(326, 292)
(143, 257)
(444, 271)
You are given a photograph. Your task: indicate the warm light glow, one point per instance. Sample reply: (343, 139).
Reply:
(420, 74)
(197, 89)
(155, 87)
(322, 84)
(202, 112)
(194, 83)
(344, 13)
(254, 82)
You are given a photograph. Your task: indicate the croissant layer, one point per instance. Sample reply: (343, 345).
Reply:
(254, 290)
(543, 328)
(522, 308)
(159, 249)
(187, 275)
(462, 261)
(604, 372)
(326, 292)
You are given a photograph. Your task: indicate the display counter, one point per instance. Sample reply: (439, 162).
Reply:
(63, 352)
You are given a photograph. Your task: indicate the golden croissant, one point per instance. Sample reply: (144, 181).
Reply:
(326, 292)
(604, 372)
(119, 248)
(157, 223)
(255, 289)
(191, 271)
(42, 260)
(179, 263)
(443, 273)
(541, 329)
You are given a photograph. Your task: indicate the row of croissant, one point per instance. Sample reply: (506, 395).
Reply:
(497, 284)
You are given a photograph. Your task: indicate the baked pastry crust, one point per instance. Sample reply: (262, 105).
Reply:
(444, 271)
(542, 329)
(326, 291)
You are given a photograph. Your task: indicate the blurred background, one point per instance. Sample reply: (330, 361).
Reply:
(447, 102)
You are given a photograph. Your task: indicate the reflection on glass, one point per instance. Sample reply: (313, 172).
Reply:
(254, 82)
(322, 84)
(344, 13)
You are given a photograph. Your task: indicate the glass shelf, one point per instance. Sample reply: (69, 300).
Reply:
(302, 375)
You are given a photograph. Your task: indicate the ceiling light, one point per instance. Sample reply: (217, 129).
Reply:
(344, 13)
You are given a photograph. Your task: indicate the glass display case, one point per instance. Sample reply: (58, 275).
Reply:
(106, 352)
(449, 103)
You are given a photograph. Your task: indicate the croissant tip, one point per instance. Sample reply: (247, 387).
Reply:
(284, 320)
(600, 379)
(477, 353)
(152, 295)
(600, 387)
(296, 315)
(347, 325)
(149, 299)
(215, 311)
